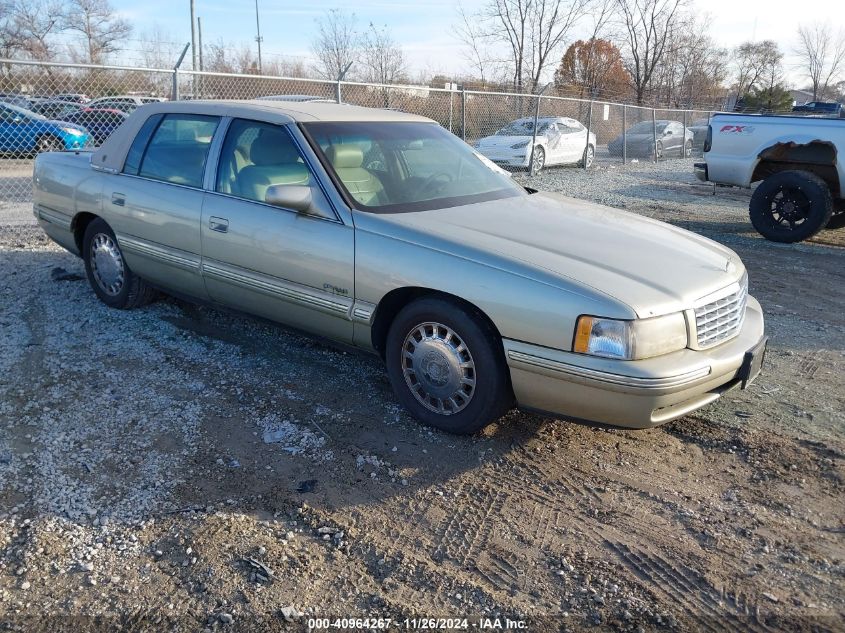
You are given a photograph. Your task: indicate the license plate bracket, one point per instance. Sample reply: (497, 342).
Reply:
(752, 363)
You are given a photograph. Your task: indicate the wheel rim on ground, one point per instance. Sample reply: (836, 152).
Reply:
(539, 160)
(591, 153)
(658, 150)
(438, 368)
(688, 149)
(107, 264)
(49, 145)
(789, 206)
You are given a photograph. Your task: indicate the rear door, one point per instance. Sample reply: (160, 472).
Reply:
(154, 206)
(294, 267)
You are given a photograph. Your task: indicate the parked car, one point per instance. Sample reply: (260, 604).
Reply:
(560, 141)
(100, 123)
(24, 133)
(74, 97)
(15, 99)
(797, 161)
(822, 108)
(124, 103)
(295, 98)
(640, 139)
(699, 133)
(382, 230)
(54, 109)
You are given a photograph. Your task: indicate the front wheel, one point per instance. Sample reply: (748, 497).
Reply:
(49, 143)
(658, 150)
(538, 161)
(688, 149)
(447, 367)
(791, 206)
(109, 275)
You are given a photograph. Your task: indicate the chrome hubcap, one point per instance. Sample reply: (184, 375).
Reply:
(438, 368)
(107, 264)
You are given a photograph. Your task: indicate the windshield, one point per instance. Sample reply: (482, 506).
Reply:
(390, 167)
(646, 127)
(524, 127)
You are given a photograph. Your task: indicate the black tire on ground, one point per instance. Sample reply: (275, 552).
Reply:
(429, 364)
(127, 290)
(791, 206)
(837, 221)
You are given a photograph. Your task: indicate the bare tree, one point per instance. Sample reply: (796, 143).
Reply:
(753, 59)
(36, 23)
(647, 28)
(383, 58)
(532, 30)
(336, 44)
(101, 30)
(822, 56)
(158, 50)
(11, 39)
(470, 31)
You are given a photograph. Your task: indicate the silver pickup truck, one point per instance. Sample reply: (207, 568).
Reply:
(382, 230)
(797, 162)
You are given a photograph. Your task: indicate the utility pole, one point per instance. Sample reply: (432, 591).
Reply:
(199, 38)
(258, 37)
(194, 36)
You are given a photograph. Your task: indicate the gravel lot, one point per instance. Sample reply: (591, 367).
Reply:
(184, 469)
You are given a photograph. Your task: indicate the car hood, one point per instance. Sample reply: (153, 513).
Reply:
(652, 267)
(501, 141)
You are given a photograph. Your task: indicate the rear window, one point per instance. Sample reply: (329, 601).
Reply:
(177, 149)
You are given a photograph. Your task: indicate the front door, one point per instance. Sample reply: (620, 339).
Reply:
(295, 267)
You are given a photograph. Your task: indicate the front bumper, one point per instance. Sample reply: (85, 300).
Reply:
(631, 394)
(505, 160)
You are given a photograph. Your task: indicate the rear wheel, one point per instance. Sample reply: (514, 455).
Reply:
(791, 206)
(110, 277)
(589, 156)
(446, 366)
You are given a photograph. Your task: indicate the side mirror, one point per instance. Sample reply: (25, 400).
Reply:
(296, 197)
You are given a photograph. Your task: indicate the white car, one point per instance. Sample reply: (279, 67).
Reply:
(560, 141)
(124, 103)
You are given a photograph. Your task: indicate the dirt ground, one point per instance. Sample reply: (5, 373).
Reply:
(178, 468)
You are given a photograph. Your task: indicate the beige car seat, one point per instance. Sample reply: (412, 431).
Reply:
(362, 185)
(275, 161)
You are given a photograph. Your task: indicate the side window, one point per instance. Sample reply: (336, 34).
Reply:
(178, 149)
(136, 150)
(256, 155)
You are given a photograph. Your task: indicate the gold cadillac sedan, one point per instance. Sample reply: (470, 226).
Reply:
(383, 230)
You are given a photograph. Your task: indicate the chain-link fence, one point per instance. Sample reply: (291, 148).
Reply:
(53, 106)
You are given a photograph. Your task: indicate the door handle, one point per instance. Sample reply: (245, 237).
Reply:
(221, 225)
(119, 199)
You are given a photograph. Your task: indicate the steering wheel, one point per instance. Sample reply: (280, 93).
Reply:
(446, 178)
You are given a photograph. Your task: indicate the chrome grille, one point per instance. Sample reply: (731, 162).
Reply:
(722, 319)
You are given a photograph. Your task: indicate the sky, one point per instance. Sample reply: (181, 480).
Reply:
(424, 27)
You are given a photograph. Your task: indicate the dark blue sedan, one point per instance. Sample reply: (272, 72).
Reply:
(25, 133)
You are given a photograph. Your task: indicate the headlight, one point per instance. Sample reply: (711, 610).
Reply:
(73, 131)
(630, 340)
(520, 144)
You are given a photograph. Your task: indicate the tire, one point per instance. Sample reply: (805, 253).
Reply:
(791, 206)
(837, 221)
(447, 344)
(658, 150)
(589, 157)
(687, 149)
(49, 143)
(539, 160)
(109, 275)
